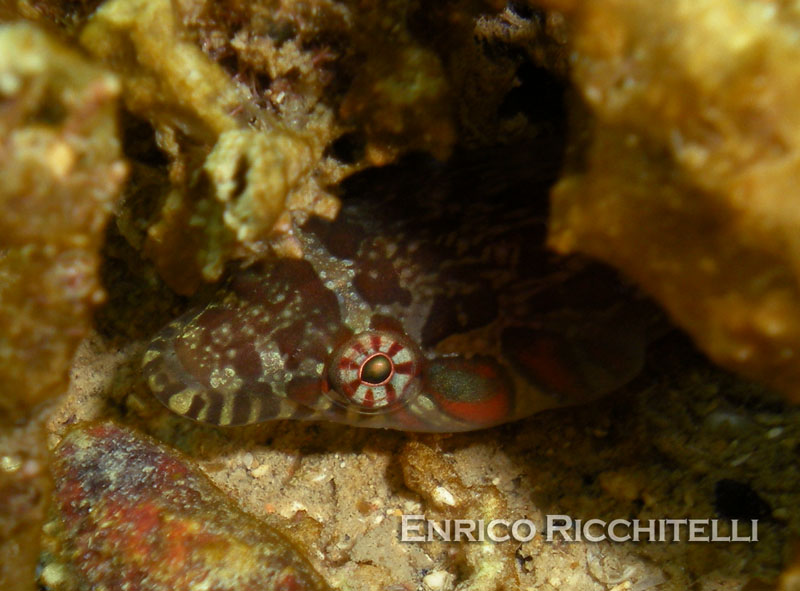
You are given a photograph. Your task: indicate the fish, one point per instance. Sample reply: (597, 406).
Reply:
(431, 303)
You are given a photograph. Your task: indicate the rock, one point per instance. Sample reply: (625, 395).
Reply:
(132, 513)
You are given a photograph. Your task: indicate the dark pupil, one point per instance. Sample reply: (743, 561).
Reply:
(376, 370)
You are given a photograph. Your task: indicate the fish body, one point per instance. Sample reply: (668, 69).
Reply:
(429, 304)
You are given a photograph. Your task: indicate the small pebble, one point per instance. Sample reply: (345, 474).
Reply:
(10, 463)
(740, 460)
(438, 580)
(727, 419)
(54, 575)
(320, 476)
(443, 496)
(774, 432)
(260, 471)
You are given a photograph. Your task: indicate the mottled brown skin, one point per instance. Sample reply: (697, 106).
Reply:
(132, 514)
(439, 268)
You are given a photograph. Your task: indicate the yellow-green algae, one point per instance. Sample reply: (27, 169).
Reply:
(215, 139)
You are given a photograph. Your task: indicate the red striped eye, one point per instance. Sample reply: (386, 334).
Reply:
(375, 370)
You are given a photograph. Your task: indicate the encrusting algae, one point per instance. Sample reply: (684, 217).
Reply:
(122, 499)
(233, 170)
(688, 168)
(61, 171)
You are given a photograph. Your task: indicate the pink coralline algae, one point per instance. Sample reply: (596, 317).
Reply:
(132, 514)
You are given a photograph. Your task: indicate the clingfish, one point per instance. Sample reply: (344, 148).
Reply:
(429, 304)
(130, 513)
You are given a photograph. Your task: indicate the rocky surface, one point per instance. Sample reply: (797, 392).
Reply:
(62, 171)
(686, 172)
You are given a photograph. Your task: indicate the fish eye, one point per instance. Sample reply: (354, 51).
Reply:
(375, 370)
